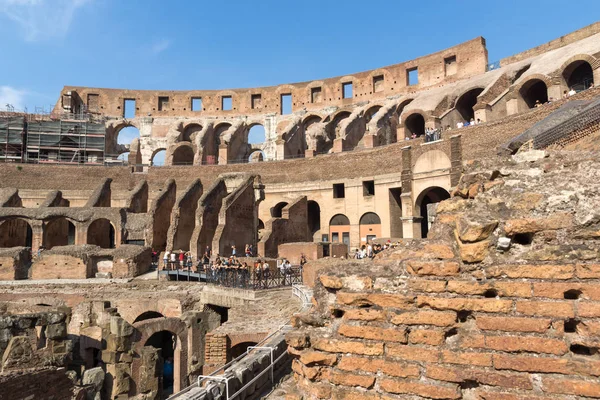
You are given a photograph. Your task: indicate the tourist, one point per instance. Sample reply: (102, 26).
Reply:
(459, 124)
(369, 250)
(181, 258)
(208, 251)
(248, 250)
(166, 259)
(173, 259)
(572, 92)
(565, 94)
(266, 271)
(537, 104)
(414, 136)
(357, 254)
(168, 373)
(302, 260)
(472, 122)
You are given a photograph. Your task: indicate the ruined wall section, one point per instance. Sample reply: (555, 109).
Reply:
(14, 263)
(183, 220)
(138, 199)
(9, 197)
(207, 217)
(55, 199)
(471, 59)
(101, 197)
(291, 227)
(501, 302)
(160, 211)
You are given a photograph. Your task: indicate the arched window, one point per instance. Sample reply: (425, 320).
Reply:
(183, 155)
(534, 92)
(59, 232)
(370, 218)
(256, 134)
(276, 211)
(314, 216)
(415, 124)
(370, 227)
(158, 158)
(101, 233)
(339, 229)
(15, 233)
(190, 132)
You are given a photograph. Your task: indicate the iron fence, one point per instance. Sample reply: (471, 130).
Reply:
(254, 279)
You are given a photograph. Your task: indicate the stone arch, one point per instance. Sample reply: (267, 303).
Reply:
(15, 232)
(190, 132)
(465, 102)
(256, 130)
(148, 315)
(534, 89)
(371, 111)
(428, 196)
(431, 160)
(182, 154)
(578, 71)
(145, 330)
(369, 227)
(158, 157)
(339, 229)
(400, 108)
(116, 134)
(311, 119)
(58, 232)
(101, 232)
(313, 213)
(256, 155)
(277, 208)
(211, 141)
(335, 124)
(414, 124)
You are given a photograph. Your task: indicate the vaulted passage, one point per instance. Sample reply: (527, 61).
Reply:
(466, 102)
(534, 92)
(59, 232)
(183, 155)
(167, 343)
(424, 201)
(15, 233)
(579, 76)
(101, 233)
(415, 125)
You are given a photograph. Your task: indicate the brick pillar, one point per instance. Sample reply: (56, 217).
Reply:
(223, 154)
(483, 113)
(215, 352)
(310, 153)
(338, 145)
(406, 195)
(280, 149)
(455, 159)
(37, 232)
(369, 141)
(555, 91)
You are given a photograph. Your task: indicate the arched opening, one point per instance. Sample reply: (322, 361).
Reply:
(314, 217)
(211, 142)
(579, 75)
(148, 315)
(339, 229)
(400, 108)
(415, 125)
(124, 157)
(256, 134)
(101, 233)
(183, 155)
(370, 113)
(370, 227)
(534, 93)
(310, 120)
(259, 229)
(167, 343)
(276, 210)
(190, 132)
(125, 137)
(425, 208)
(256, 156)
(238, 350)
(338, 119)
(158, 158)
(59, 232)
(221, 312)
(466, 102)
(15, 233)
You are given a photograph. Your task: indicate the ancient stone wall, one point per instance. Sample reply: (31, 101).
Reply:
(292, 226)
(47, 383)
(500, 301)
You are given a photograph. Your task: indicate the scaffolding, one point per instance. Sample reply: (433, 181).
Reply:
(65, 142)
(12, 141)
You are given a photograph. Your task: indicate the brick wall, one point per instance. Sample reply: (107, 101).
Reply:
(461, 315)
(51, 383)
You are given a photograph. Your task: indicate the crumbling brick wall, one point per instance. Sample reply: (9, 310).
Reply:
(500, 302)
(291, 227)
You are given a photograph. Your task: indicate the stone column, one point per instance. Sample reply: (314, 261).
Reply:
(338, 145)
(280, 149)
(483, 113)
(223, 154)
(369, 141)
(406, 196)
(555, 91)
(37, 231)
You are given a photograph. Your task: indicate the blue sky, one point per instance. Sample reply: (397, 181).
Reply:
(187, 44)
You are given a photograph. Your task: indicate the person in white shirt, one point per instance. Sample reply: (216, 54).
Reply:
(165, 259)
(572, 92)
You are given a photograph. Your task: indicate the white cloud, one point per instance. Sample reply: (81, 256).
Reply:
(160, 46)
(12, 96)
(42, 19)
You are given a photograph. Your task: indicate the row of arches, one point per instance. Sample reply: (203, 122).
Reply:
(18, 232)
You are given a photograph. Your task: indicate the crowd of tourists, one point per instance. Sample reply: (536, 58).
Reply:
(370, 250)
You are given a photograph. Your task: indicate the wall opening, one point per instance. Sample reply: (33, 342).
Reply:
(534, 93)
(196, 105)
(124, 138)
(368, 188)
(158, 158)
(58, 232)
(163, 103)
(378, 82)
(316, 95)
(238, 350)
(286, 104)
(339, 191)
(255, 101)
(370, 113)
(347, 90)
(211, 142)
(101, 233)
(412, 76)
(15, 233)
(167, 343)
(226, 103)
(415, 125)
(190, 132)
(183, 155)
(579, 75)
(466, 102)
(425, 206)
(450, 66)
(314, 217)
(277, 209)
(256, 156)
(369, 227)
(148, 315)
(129, 108)
(256, 134)
(223, 312)
(339, 229)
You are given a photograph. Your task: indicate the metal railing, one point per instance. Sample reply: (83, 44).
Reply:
(254, 280)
